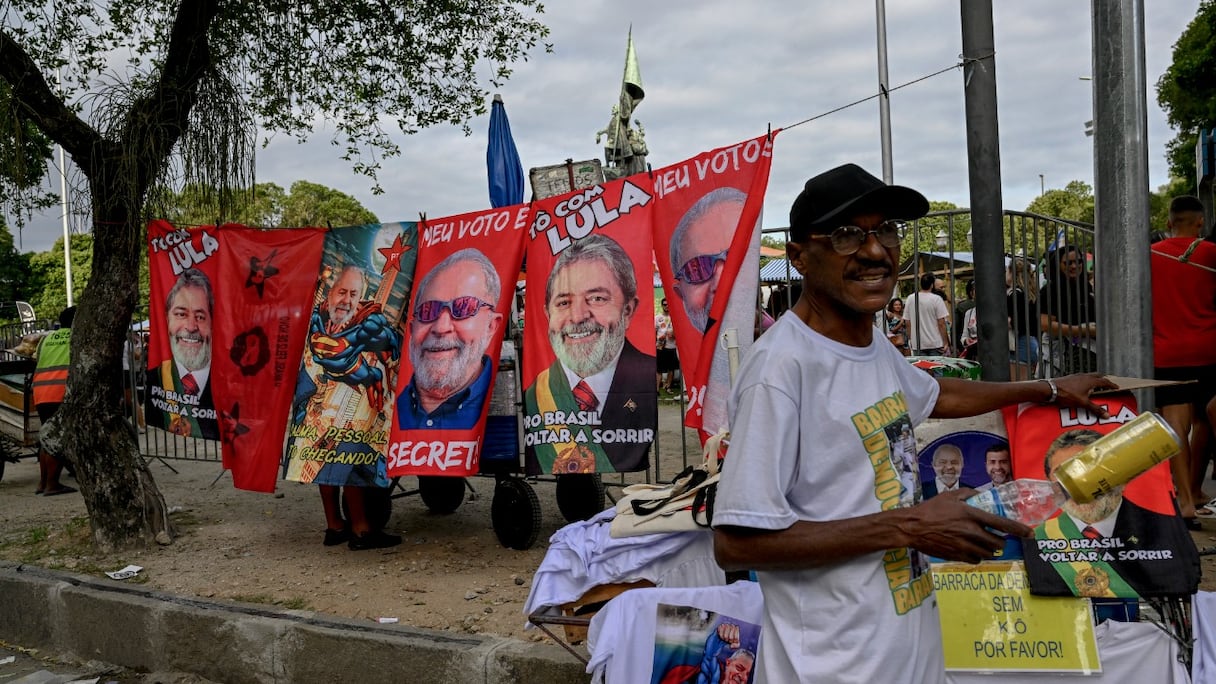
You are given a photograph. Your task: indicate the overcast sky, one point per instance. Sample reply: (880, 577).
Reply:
(719, 72)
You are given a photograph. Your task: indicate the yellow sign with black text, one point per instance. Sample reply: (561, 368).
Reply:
(991, 623)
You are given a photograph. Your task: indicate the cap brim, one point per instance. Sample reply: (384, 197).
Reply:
(892, 201)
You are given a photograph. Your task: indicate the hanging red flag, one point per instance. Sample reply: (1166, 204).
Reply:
(183, 266)
(459, 311)
(1127, 543)
(267, 278)
(589, 350)
(707, 233)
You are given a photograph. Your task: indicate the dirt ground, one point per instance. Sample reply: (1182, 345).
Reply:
(450, 572)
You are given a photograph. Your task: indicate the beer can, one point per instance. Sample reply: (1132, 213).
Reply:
(1118, 457)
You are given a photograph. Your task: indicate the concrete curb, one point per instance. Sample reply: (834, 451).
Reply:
(89, 619)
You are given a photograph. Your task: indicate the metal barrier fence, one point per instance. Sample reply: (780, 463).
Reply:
(155, 443)
(1050, 260)
(11, 333)
(1049, 285)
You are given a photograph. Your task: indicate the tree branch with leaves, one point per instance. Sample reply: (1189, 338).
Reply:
(159, 95)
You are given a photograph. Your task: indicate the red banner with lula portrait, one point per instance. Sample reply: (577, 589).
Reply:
(590, 403)
(266, 277)
(707, 232)
(183, 268)
(459, 310)
(1127, 543)
(225, 336)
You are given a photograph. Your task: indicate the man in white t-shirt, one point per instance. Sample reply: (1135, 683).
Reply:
(926, 314)
(810, 498)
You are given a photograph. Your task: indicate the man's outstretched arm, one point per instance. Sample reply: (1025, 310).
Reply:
(961, 398)
(943, 527)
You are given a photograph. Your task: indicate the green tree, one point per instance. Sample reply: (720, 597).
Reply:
(949, 225)
(773, 241)
(24, 151)
(266, 204)
(198, 204)
(310, 204)
(1074, 202)
(14, 274)
(48, 276)
(1187, 92)
(1159, 202)
(198, 80)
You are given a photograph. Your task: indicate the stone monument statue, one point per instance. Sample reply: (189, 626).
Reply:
(624, 146)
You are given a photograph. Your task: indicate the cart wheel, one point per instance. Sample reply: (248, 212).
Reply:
(579, 497)
(515, 514)
(378, 504)
(441, 494)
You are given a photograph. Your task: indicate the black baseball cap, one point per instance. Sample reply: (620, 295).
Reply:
(847, 190)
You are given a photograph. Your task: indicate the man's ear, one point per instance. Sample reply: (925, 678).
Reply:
(631, 307)
(796, 253)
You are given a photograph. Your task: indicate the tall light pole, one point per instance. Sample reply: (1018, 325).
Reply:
(63, 193)
(1042, 191)
(884, 96)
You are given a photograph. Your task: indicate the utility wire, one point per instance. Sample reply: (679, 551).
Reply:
(888, 91)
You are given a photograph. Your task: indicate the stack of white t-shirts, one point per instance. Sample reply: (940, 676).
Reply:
(621, 639)
(1203, 612)
(583, 555)
(1128, 651)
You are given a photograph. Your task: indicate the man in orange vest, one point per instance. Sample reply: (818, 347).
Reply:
(50, 382)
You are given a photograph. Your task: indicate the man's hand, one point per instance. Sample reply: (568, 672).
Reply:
(1075, 390)
(946, 527)
(729, 634)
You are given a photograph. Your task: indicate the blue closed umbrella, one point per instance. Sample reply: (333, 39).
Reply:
(505, 172)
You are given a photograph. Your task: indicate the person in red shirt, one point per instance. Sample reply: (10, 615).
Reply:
(1184, 342)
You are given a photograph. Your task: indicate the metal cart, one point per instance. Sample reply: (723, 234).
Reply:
(515, 511)
(19, 423)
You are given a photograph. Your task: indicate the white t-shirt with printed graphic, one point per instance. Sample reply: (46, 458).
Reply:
(810, 420)
(623, 635)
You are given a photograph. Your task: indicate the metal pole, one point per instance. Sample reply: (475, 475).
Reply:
(1205, 157)
(884, 99)
(1205, 198)
(63, 198)
(67, 237)
(1121, 212)
(984, 175)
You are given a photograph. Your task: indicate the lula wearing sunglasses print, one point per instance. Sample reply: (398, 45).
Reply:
(459, 308)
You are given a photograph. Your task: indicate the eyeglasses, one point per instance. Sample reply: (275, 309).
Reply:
(459, 309)
(1071, 262)
(700, 269)
(847, 240)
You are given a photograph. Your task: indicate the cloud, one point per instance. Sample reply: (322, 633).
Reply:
(719, 72)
